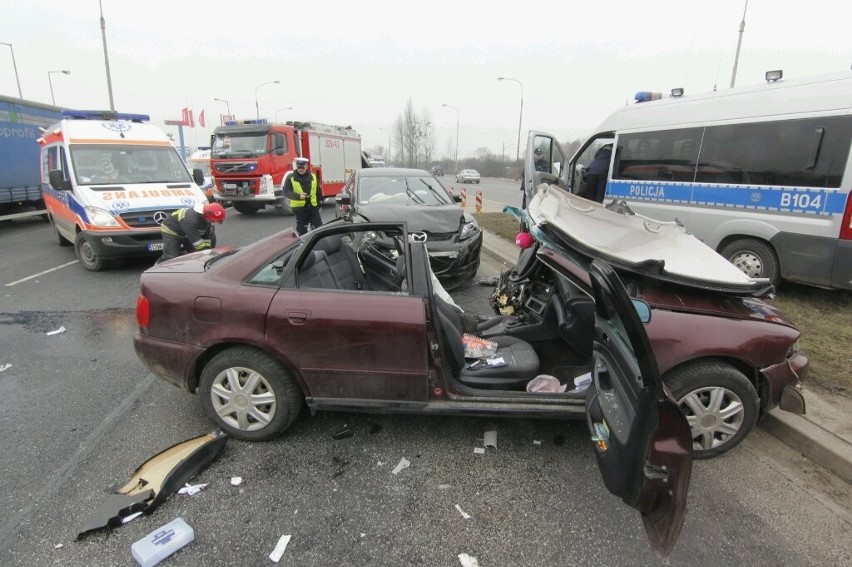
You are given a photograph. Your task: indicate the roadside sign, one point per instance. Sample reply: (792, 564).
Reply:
(173, 122)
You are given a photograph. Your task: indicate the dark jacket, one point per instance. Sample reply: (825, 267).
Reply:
(305, 181)
(189, 224)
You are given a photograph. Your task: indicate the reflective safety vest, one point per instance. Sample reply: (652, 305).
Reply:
(297, 188)
(178, 214)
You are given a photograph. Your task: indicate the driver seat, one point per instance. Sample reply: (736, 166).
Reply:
(521, 359)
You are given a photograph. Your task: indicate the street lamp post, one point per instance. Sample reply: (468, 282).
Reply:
(520, 118)
(456, 160)
(281, 110)
(106, 56)
(227, 104)
(15, 66)
(64, 72)
(256, 104)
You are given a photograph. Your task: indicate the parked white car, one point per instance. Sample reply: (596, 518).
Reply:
(467, 176)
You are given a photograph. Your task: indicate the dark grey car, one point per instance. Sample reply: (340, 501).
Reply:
(452, 236)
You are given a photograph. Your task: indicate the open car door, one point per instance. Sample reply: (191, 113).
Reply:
(642, 441)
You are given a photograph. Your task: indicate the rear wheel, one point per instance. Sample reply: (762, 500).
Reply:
(87, 254)
(250, 394)
(247, 208)
(720, 404)
(754, 257)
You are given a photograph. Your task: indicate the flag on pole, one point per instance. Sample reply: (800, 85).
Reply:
(201, 120)
(187, 118)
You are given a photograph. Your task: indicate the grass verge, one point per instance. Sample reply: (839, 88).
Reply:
(823, 316)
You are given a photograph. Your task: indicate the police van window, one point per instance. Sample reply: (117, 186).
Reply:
(806, 153)
(591, 168)
(668, 155)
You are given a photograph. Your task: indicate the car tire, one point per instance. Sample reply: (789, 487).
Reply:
(87, 255)
(719, 402)
(754, 257)
(277, 397)
(246, 208)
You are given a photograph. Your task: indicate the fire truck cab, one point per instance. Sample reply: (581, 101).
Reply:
(250, 159)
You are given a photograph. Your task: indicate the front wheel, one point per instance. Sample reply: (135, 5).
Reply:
(87, 254)
(247, 208)
(250, 394)
(720, 404)
(754, 258)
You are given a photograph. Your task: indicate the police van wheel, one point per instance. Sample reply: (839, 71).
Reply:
(755, 258)
(87, 255)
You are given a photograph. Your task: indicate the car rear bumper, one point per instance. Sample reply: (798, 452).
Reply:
(171, 361)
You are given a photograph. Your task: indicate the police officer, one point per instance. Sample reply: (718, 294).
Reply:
(540, 164)
(187, 230)
(303, 190)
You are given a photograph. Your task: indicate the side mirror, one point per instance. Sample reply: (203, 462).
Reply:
(343, 198)
(198, 177)
(58, 181)
(642, 309)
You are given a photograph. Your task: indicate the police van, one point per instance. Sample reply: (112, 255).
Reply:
(109, 179)
(761, 173)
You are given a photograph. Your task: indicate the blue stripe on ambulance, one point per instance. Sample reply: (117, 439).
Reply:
(758, 197)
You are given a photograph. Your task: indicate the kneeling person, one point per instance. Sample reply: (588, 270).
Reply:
(191, 229)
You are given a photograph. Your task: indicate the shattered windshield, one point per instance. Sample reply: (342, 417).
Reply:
(403, 190)
(244, 144)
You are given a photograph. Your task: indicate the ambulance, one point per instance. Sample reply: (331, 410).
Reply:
(109, 179)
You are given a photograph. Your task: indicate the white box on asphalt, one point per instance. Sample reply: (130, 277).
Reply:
(162, 542)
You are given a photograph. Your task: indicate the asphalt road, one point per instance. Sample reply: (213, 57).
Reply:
(79, 413)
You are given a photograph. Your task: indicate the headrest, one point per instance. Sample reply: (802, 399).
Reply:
(313, 258)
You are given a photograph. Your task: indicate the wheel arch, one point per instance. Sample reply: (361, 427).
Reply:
(750, 372)
(198, 366)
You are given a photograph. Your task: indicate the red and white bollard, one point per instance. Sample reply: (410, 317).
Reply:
(479, 201)
(464, 197)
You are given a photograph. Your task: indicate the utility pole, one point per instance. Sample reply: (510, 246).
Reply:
(739, 44)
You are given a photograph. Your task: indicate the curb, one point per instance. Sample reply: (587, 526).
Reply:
(804, 434)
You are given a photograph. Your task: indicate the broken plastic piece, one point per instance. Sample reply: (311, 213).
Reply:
(193, 489)
(276, 554)
(236, 480)
(131, 517)
(468, 560)
(343, 433)
(490, 439)
(156, 480)
(403, 464)
(464, 514)
(5, 367)
(479, 450)
(162, 542)
(56, 332)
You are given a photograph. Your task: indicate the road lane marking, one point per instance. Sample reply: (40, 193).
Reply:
(59, 267)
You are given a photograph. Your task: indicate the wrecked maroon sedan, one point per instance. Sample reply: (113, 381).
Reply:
(347, 318)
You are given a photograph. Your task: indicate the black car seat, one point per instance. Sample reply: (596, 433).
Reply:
(520, 357)
(344, 264)
(315, 272)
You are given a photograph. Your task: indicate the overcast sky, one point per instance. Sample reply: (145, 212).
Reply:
(357, 63)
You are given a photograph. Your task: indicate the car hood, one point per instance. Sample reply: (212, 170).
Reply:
(629, 241)
(437, 218)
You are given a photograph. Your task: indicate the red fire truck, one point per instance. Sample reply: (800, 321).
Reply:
(250, 158)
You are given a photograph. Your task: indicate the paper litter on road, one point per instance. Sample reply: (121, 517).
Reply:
(59, 546)
(5, 367)
(236, 480)
(490, 439)
(56, 332)
(479, 450)
(468, 560)
(193, 489)
(279, 548)
(464, 514)
(403, 464)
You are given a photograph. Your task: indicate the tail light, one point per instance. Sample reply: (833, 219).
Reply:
(143, 311)
(846, 226)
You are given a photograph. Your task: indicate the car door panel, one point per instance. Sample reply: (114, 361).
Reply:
(642, 441)
(353, 346)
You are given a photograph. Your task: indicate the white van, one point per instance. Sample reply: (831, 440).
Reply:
(761, 174)
(109, 179)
